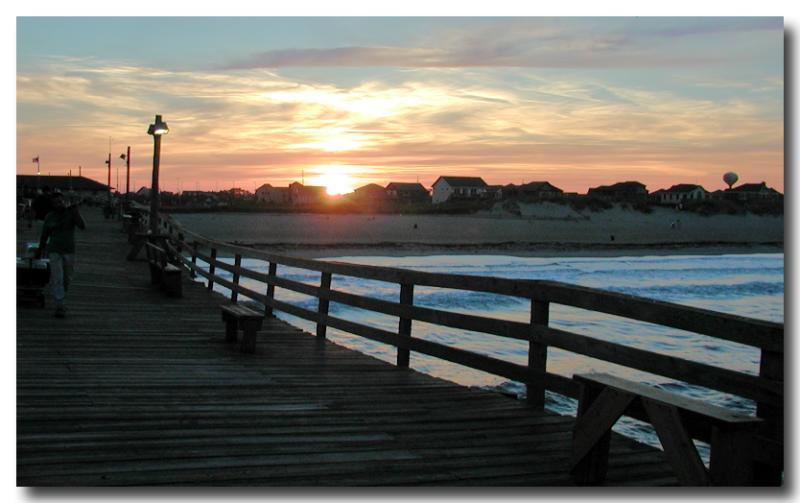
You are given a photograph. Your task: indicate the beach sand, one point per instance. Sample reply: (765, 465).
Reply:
(539, 230)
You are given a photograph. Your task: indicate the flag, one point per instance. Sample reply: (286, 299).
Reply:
(36, 159)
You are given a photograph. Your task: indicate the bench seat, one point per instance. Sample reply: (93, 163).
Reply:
(676, 418)
(238, 317)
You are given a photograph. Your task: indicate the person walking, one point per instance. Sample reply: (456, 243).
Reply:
(58, 239)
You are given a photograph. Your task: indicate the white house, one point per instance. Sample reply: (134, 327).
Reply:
(269, 194)
(681, 193)
(446, 188)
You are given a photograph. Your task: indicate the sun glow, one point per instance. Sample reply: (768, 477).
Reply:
(337, 179)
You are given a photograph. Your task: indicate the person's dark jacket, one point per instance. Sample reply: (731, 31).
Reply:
(41, 206)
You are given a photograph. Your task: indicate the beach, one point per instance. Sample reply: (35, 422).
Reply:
(538, 230)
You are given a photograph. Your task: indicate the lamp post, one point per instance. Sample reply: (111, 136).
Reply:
(156, 129)
(127, 159)
(108, 161)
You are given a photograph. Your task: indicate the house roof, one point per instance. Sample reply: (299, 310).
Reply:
(752, 187)
(539, 186)
(268, 186)
(407, 187)
(313, 190)
(61, 182)
(370, 187)
(630, 185)
(684, 187)
(462, 181)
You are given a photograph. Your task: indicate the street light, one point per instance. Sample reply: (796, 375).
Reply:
(156, 129)
(127, 159)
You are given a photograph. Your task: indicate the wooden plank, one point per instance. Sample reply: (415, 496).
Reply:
(714, 413)
(212, 264)
(323, 303)
(404, 324)
(273, 271)
(237, 265)
(537, 351)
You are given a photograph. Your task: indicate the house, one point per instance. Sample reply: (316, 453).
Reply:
(235, 193)
(74, 186)
(540, 190)
(748, 191)
(681, 193)
(408, 192)
(446, 188)
(371, 192)
(622, 191)
(302, 195)
(273, 195)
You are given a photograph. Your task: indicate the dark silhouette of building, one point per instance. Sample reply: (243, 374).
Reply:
(407, 192)
(622, 191)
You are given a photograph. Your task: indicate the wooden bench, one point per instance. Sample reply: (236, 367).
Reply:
(163, 273)
(239, 317)
(677, 419)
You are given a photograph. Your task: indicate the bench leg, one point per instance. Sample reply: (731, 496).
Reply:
(155, 274)
(231, 327)
(172, 284)
(598, 411)
(250, 329)
(732, 456)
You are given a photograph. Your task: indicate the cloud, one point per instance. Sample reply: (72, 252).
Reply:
(539, 43)
(255, 124)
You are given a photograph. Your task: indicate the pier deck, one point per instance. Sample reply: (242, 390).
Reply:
(136, 388)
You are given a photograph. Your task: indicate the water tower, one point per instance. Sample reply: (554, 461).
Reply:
(730, 178)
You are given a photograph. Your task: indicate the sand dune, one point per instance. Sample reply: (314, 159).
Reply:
(540, 226)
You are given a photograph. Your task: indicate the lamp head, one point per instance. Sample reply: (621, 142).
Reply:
(158, 128)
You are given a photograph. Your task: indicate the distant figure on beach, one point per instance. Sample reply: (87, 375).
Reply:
(58, 239)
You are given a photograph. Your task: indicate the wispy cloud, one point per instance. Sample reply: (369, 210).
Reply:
(533, 43)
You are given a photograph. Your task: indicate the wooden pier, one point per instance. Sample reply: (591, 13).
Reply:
(138, 388)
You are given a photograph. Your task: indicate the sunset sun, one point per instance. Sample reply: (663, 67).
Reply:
(336, 179)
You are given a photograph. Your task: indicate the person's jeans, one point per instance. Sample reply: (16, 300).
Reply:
(61, 270)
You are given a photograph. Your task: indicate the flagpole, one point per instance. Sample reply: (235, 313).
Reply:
(38, 170)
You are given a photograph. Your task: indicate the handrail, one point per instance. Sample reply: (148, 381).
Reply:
(766, 388)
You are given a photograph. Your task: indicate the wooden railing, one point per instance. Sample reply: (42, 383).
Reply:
(766, 388)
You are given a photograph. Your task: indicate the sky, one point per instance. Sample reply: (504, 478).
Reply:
(346, 101)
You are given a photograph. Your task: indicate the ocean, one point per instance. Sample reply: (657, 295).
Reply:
(746, 285)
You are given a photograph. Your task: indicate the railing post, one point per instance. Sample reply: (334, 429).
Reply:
(212, 266)
(537, 352)
(771, 367)
(237, 263)
(322, 306)
(404, 326)
(194, 259)
(273, 273)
